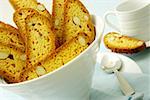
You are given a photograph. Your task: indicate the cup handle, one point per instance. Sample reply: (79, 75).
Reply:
(108, 22)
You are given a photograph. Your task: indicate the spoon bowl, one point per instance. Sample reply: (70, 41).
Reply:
(110, 63)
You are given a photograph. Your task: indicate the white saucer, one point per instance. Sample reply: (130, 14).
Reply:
(128, 66)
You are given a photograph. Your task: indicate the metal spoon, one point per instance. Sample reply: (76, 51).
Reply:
(111, 64)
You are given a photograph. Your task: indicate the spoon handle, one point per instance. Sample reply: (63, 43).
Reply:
(124, 85)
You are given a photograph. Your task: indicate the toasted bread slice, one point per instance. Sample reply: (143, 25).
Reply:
(58, 20)
(11, 38)
(19, 18)
(12, 63)
(77, 19)
(123, 44)
(58, 58)
(18, 4)
(40, 38)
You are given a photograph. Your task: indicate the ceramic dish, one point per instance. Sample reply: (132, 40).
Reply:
(69, 82)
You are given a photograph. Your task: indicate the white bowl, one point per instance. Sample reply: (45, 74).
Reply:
(70, 82)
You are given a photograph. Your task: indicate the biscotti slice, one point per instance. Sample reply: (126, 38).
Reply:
(11, 38)
(19, 4)
(123, 44)
(65, 53)
(19, 18)
(12, 63)
(77, 19)
(58, 20)
(40, 38)
(11, 28)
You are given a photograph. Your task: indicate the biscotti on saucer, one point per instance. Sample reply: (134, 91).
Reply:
(123, 44)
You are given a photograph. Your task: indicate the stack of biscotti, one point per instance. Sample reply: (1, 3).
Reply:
(123, 44)
(12, 63)
(75, 32)
(59, 57)
(34, 24)
(49, 42)
(19, 4)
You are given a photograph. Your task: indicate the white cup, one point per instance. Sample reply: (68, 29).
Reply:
(133, 18)
(69, 82)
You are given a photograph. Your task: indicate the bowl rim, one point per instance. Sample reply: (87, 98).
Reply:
(97, 39)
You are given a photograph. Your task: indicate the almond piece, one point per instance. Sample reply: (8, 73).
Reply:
(41, 7)
(76, 20)
(86, 17)
(82, 40)
(111, 39)
(56, 22)
(140, 43)
(3, 55)
(30, 24)
(118, 35)
(23, 57)
(40, 70)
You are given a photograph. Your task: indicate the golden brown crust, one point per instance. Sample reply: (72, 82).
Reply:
(58, 20)
(77, 19)
(19, 4)
(40, 38)
(8, 27)
(123, 44)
